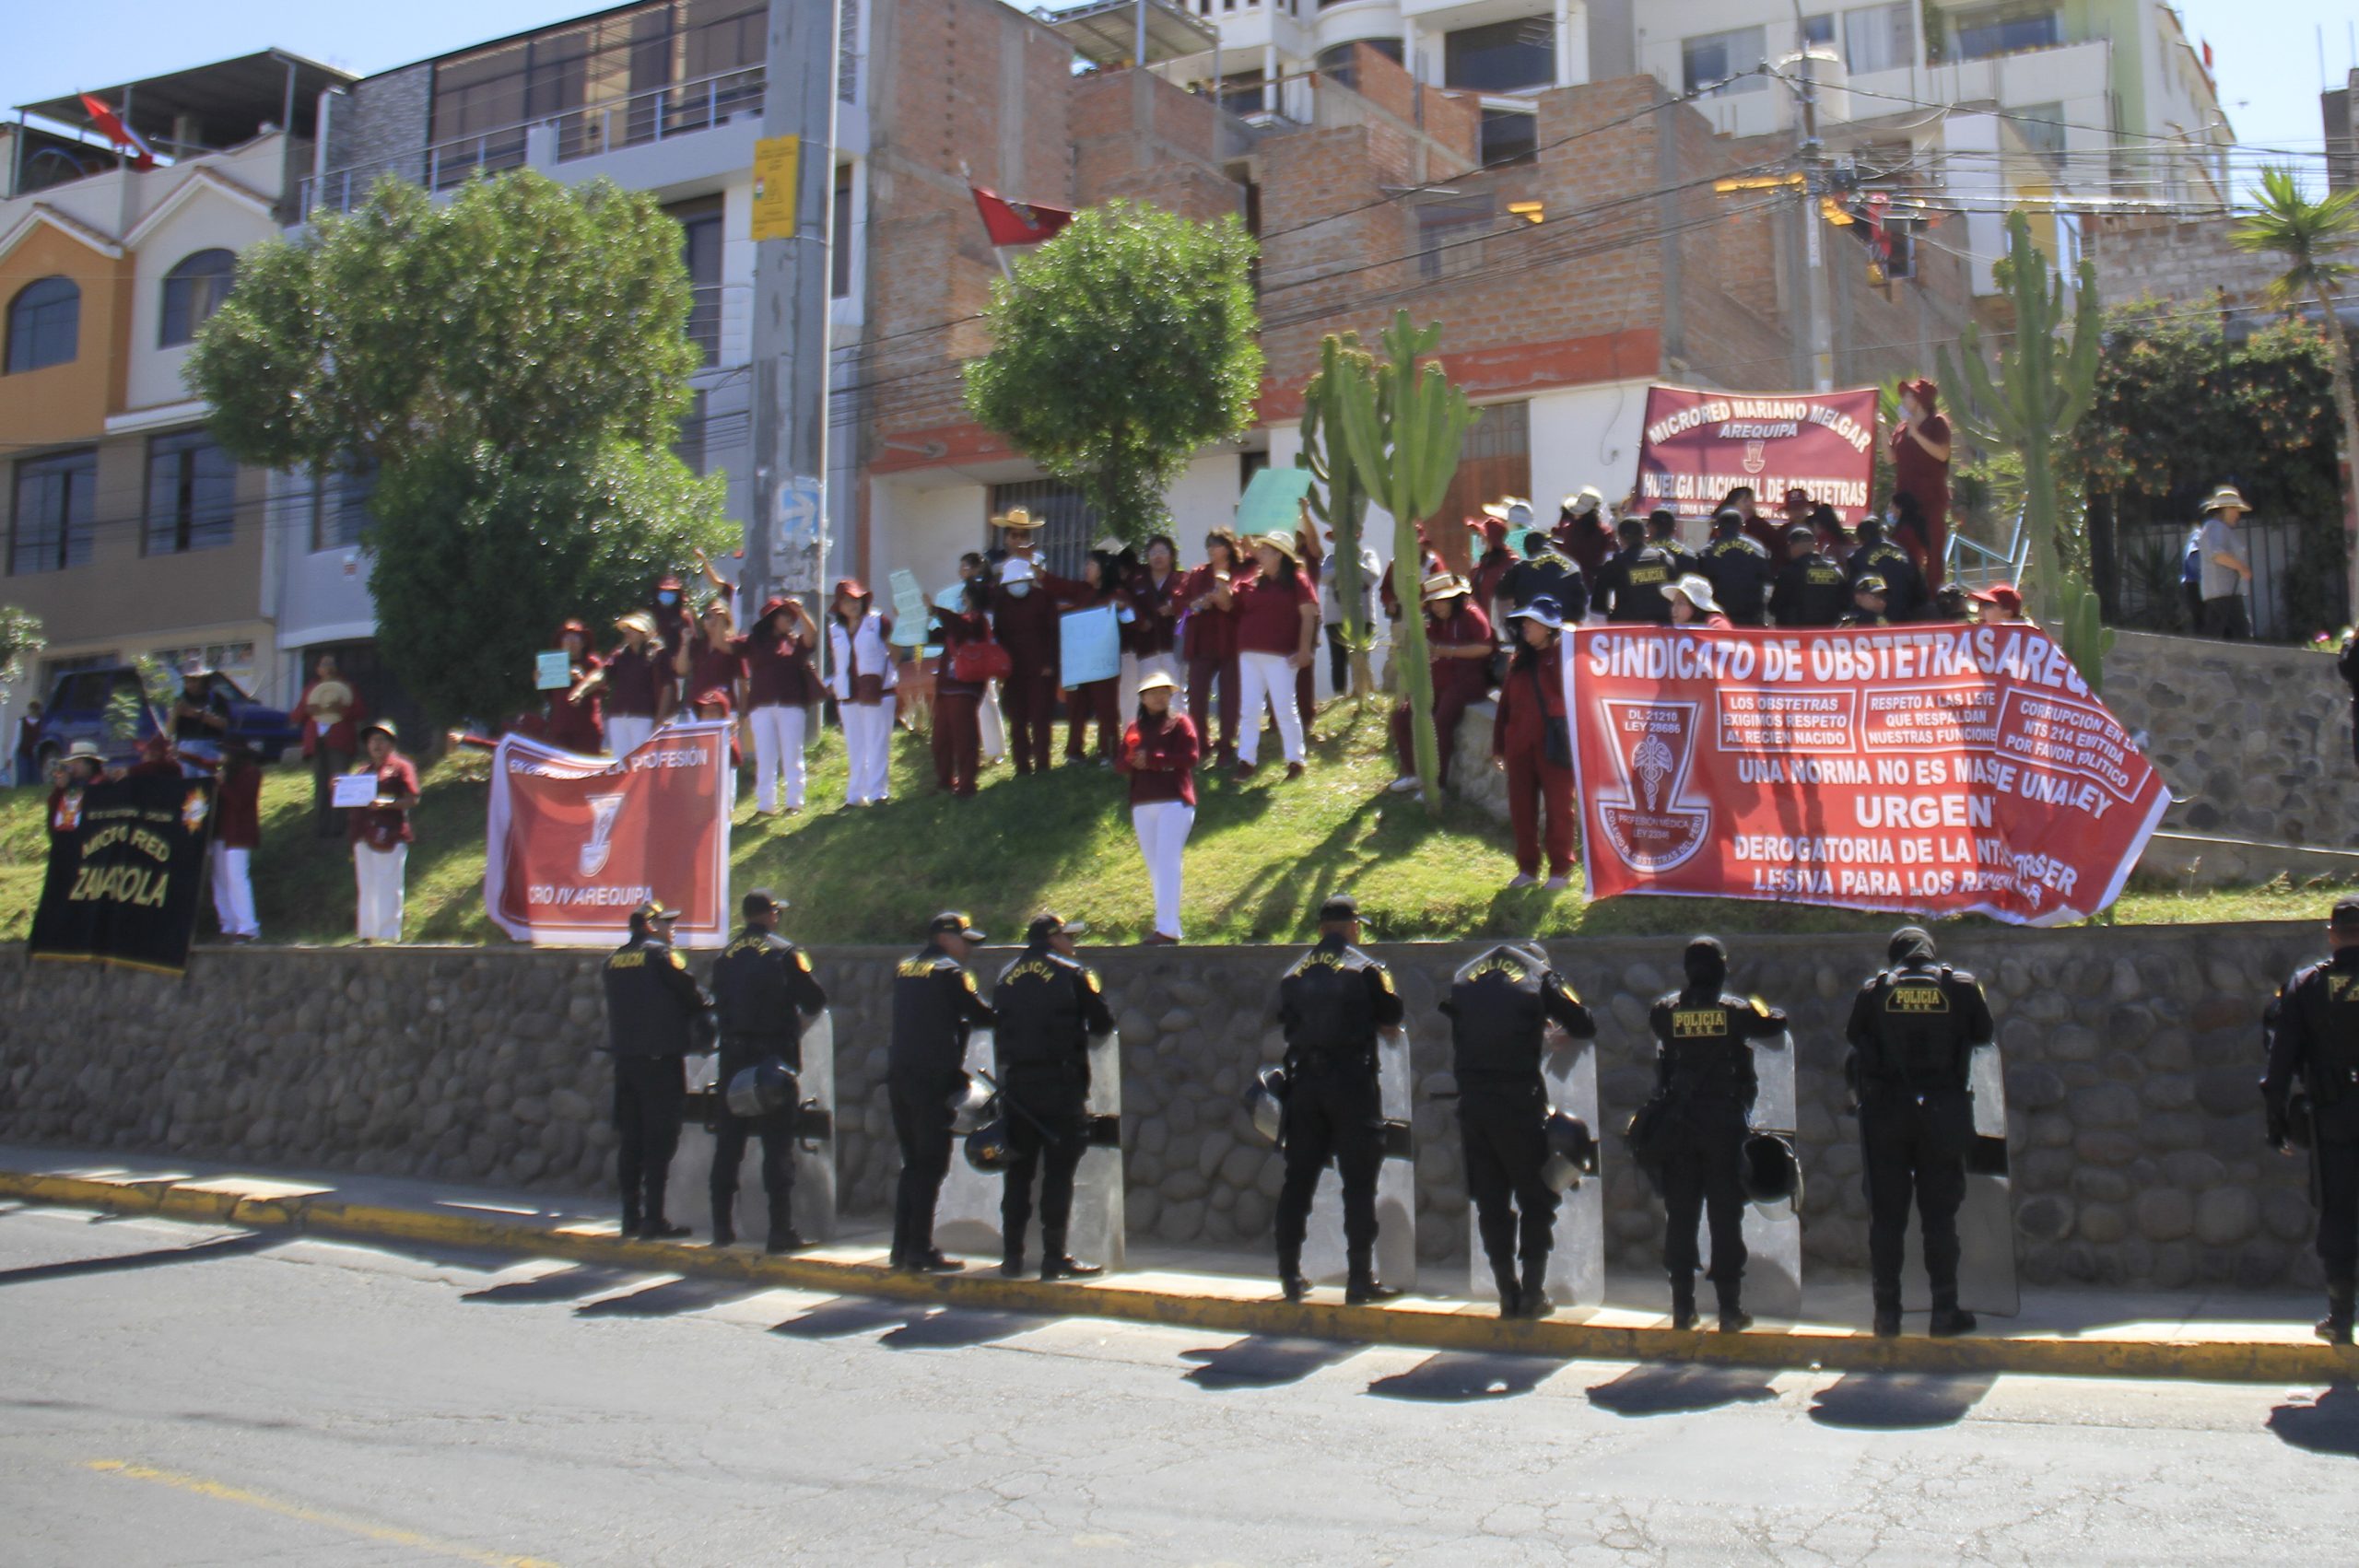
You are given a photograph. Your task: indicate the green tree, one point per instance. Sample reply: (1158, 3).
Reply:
(20, 638)
(1120, 348)
(1340, 498)
(2307, 234)
(514, 365)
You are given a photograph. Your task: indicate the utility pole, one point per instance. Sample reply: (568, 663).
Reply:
(1821, 306)
(786, 537)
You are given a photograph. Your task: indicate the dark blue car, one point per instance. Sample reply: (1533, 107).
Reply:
(78, 711)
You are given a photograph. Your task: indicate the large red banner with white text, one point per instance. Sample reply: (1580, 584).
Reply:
(576, 842)
(1697, 446)
(1948, 769)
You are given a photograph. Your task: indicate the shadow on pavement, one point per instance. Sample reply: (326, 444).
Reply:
(1674, 1390)
(220, 1247)
(1895, 1401)
(667, 1299)
(568, 1283)
(1461, 1377)
(907, 1326)
(1263, 1361)
(2327, 1425)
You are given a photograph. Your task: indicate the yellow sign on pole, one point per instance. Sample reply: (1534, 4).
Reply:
(775, 163)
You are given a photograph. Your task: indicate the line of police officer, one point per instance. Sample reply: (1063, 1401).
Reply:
(1912, 1031)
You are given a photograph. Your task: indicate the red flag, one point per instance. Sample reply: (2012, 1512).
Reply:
(1019, 222)
(143, 157)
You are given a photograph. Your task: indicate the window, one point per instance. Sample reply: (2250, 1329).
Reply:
(839, 264)
(1501, 57)
(55, 513)
(2006, 30)
(340, 515)
(1509, 135)
(1818, 31)
(55, 670)
(44, 324)
(192, 291)
(1718, 61)
(700, 249)
(1337, 62)
(1240, 92)
(192, 494)
(1449, 236)
(2041, 127)
(1880, 38)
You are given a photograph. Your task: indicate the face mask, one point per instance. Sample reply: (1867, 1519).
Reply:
(667, 599)
(1019, 590)
(1124, 615)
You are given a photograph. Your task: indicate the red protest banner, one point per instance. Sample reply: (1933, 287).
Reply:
(575, 842)
(1697, 446)
(1948, 769)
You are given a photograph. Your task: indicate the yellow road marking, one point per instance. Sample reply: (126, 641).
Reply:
(392, 1535)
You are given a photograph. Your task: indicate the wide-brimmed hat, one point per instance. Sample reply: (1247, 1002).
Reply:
(1544, 609)
(574, 628)
(1017, 519)
(1697, 591)
(1440, 586)
(852, 587)
(1504, 509)
(383, 726)
(1584, 497)
(772, 606)
(1157, 681)
(1285, 543)
(2227, 495)
(637, 622)
(88, 749)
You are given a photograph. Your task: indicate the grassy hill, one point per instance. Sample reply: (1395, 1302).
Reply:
(1263, 857)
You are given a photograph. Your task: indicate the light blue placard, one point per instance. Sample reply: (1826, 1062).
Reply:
(552, 672)
(910, 610)
(1092, 643)
(1273, 503)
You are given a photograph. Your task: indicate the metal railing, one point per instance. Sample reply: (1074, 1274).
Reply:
(1976, 564)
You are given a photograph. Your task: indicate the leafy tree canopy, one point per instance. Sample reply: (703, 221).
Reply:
(1123, 346)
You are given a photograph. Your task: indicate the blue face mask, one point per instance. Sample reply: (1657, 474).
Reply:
(667, 599)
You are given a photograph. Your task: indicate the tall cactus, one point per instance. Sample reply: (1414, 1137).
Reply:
(1339, 496)
(2043, 387)
(1405, 427)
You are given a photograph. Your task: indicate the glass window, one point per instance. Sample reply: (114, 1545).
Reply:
(44, 324)
(1240, 92)
(1337, 62)
(192, 291)
(1449, 235)
(2041, 125)
(340, 514)
(2006, 30)
(192, 494)
(1880, 38)
(1718, 61)
(700, 249)
(1509, 135)
(1501, 57)
(54, 512)
(1818, 29)
(839, 264)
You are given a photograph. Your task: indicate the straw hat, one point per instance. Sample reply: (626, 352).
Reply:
(1017, 519)
(1441, 586)
(2225, 496)
(1697, 591)
(1282, 542)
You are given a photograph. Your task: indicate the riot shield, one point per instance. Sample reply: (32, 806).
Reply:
(1576, 1259)
(1324, 1258)
(814, 1147)
(1773, 1230)
(1986, 1220)
(967, 1217)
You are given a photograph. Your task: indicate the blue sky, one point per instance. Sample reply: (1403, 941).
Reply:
(2266, 51)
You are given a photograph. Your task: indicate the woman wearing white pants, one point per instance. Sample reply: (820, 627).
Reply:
(779, 688)
(1159, 752)
(237, 830)
(863, 672)
(1277, 627)
(380, 835)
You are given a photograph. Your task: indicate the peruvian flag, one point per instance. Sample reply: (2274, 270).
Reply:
(143, 157)
(1017, 223)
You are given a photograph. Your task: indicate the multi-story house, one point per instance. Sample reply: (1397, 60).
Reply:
(126, 529)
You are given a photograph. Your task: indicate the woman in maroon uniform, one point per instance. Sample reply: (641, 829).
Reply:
(781, 686)
(574, 721)
(1277, 625)
(1209, 640)
(959, 620)
(1159, 752)
(638, 686)
(1532, 743)
(1100, 585)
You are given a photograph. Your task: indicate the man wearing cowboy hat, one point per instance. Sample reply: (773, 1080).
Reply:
(1458, 640)
(2226, 578)
(1025, 620)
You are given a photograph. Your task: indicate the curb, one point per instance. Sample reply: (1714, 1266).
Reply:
(1414, 1326)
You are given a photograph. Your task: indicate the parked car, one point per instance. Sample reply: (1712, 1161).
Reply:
(78, 711)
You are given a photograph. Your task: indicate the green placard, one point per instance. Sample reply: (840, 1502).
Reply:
(1273, 503)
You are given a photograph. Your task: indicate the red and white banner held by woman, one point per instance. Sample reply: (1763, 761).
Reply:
(574, 842)
(1926, 769)
(1697, 446)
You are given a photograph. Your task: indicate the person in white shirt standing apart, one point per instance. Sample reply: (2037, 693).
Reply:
(380, 835)
(2227, 568)
(859, 674)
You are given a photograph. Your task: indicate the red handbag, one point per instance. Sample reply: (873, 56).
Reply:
(977, 663)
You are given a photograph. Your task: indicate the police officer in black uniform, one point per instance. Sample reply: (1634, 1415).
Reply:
(2313, 1030)
(1913, 1031)
(1704, 1089)
(1632, 581)
(1738, 569)
(1500, 1005)
(764, 992)
(1049, 1005)
(1331, 1005)
(1546, 573)
(1663, 534)
(1810, 590)
(1904, 595)
(653, 1008)
(935, 1006)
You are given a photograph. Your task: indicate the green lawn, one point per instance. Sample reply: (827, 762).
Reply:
(1262, 856)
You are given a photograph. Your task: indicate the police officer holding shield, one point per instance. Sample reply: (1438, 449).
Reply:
(2313, 1030)
(763, 991)
(1913, 1031)
(1695, 1125)
(1332, 1004)
(653, 1006)
(1500, 1005)
(934, 1007)
(1049, 1004)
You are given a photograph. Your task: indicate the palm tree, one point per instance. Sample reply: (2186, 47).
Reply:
(2306, 234)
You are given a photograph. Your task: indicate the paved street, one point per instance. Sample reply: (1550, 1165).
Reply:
(189, 1396)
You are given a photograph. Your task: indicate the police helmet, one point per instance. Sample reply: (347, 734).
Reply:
(1265, 1102)
(764, 1089)
(972, 1104)
(987, 1147)
(1572, 1151)
(1769, 1170)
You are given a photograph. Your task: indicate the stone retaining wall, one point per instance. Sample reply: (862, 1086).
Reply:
(2131, 1055)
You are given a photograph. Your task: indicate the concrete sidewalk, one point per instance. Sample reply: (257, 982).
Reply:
(2212, 1335)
